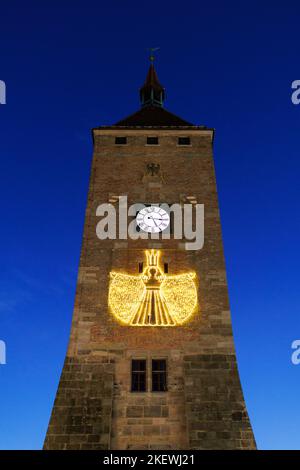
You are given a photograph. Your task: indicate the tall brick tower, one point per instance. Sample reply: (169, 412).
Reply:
(151, 361)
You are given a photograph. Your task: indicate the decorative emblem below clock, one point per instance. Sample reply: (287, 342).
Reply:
(153, 219)
(152, 298)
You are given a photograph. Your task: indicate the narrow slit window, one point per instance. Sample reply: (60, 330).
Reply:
(159, 375)
(121, 140)
(166, 268)
(138, 375)
(152, 140)
(141, 267)
(184, 141)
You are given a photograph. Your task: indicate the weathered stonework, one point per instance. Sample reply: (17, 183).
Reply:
(215, 409)
(82, 412)
(204, 406)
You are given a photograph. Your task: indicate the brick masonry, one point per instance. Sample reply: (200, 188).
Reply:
(215, 409)
(204, 406)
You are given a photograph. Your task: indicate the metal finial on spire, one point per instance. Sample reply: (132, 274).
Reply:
(152, 93)
(152, 50)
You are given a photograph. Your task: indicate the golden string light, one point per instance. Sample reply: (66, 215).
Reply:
(152, 298)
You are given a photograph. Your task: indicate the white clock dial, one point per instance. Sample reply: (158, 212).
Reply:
(153, 219)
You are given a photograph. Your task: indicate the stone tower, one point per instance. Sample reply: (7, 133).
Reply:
(151, 361)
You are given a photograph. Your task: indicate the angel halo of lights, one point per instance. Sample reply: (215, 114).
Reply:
(152, 298)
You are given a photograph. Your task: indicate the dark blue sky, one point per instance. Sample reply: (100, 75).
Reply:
(70, 66)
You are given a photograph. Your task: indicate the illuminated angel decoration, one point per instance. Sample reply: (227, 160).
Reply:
(152, 298)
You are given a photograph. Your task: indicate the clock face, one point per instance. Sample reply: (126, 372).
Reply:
(153, 219)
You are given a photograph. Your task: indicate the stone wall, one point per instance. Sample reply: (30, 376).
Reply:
(215, 409)
(149, 420)
(81, 417)
(204, 406)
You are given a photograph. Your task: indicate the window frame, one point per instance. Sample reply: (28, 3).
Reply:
(121, 137)
(165, 372)
(184, 137)
(152, 137)
(136, 372)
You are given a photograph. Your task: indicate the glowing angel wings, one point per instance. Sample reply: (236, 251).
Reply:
(125, 295)
(152, 298)
(181, 296)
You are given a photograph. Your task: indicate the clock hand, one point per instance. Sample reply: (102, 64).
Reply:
(156, 218)
(153, 220)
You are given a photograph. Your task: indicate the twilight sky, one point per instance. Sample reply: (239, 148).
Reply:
(70, 66)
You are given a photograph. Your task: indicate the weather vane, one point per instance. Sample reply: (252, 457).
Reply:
(152, 50)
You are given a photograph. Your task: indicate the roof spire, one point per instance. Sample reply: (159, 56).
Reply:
(152, 93)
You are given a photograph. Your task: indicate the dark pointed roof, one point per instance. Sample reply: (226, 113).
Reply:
(152, 80)
(153, 116)
(152, 113)
(152, 93)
